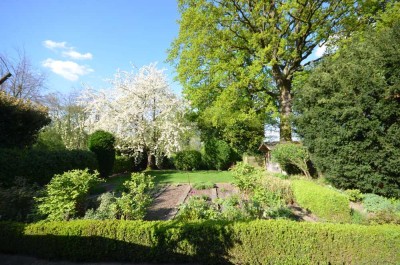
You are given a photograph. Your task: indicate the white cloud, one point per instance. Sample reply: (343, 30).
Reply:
(66, 50)
(77, 56)
(54, 45)
(67, 69)
(320, 50)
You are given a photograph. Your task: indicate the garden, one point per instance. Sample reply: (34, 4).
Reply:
(135, 173)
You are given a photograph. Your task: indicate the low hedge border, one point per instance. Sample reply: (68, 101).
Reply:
(326, 203)
(208, 242)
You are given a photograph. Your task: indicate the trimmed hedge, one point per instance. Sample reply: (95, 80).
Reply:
(326, 203)
(209, 242)
(41, 165)
(188, 160)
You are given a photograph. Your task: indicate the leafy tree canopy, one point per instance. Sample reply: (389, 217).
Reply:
(236, 59)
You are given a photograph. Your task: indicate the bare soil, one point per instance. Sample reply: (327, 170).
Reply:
(167, 200)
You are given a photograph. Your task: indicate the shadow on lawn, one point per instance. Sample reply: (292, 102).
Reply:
(170, 243)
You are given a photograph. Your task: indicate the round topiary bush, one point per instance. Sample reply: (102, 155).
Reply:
(102, 144)
(188, 160)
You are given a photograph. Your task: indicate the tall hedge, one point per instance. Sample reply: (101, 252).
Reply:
(218, 154)
(40, 166)
(188, 160)
(348, 114)
(20, 121)
(209, 242)
(102, 144)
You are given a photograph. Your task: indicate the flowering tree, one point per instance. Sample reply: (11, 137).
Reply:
(140, 110)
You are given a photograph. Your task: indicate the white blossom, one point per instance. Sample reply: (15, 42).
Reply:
(139, 109)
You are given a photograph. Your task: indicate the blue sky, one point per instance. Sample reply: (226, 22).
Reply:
(86, 41)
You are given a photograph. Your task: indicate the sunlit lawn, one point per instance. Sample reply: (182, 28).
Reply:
(175, 177)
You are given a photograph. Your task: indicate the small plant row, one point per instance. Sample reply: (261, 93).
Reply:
(208, 242)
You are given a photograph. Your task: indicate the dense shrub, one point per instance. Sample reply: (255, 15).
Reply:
(39, 166)
(326, 203)
(375, 203)
(107, 209)
(49, 139)
(65, 196)
(255, 242)
(135, 197)
(188, 160)
(354, 195)
(246, 177)
(291, 154)
(218, 155)
(348, 114)
(123, 164)
(197, 208)
(102, 144)
(16, 201)
(20, 121)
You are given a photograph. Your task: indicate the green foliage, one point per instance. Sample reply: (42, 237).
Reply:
(324, 202)
(64, 197)
(102, 144)
(206, 242)
(39, 166)
(287, 154)
(196, 208)
(20, 121)
(188, 160)
(385, 217)
(236, 59)
(107, 209)
(375, 203)
(16, 202)
(123, 164)
(49, 139)
(135, 198)
(354, 195)
(349, 113)
(218, 154)
(245, 176)
(175, 176)
(203, 185)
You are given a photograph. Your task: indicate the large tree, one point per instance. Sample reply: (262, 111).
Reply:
(25, 81)
(243, 54)
(140, 110)
(348, 113)
(68, 119)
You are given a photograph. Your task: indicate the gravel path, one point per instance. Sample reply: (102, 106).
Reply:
(165, 205)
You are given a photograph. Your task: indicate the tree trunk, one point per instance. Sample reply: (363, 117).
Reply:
(151, 161)
(285, 110)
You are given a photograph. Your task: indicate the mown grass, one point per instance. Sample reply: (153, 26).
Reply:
(175, 177)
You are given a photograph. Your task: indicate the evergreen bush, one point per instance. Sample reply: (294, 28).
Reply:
(348, 114)
(188, 160)
(102, 144)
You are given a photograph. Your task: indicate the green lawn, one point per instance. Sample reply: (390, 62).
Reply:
(175, 176)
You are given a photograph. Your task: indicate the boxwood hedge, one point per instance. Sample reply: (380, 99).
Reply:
(326, 203)
(208, 242)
